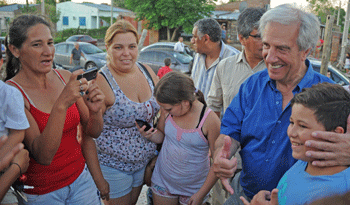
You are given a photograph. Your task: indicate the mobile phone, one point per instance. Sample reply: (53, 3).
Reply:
(89, 74)
(142, 123)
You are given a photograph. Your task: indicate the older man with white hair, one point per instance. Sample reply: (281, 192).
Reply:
(258, 117)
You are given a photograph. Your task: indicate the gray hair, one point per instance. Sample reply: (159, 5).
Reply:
(248, 20)
(286, 14)
(209, 26)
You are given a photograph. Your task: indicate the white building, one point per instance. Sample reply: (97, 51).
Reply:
(7, 13)
(86, 15)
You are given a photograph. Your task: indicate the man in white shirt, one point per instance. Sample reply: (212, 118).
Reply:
(179, 46)
(210, 50)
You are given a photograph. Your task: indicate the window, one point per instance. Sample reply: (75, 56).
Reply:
(82, 21)
(65, 20)
(60, 49)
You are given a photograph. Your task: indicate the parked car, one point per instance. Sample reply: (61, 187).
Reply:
(3, 48)
(167, 46)
(95, 57)
(336, 75)
(82, 38)
(155, 59)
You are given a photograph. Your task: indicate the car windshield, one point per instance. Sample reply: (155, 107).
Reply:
(90, 49)
(182, 57)
(73, 38)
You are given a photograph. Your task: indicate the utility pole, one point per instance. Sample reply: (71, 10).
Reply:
(338, 13)
(327, 45)
(111, 12)
(345, 38)
(43, 7)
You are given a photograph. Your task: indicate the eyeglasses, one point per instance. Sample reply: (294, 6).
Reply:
(257, 36)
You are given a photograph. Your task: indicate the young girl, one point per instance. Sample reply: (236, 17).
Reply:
(188, 130)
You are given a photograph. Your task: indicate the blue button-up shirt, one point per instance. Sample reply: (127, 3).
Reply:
(203, 77)
(255, 118)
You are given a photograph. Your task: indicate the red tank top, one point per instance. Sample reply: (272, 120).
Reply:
(68, 162)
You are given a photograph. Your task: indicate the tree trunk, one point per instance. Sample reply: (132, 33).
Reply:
(174, 33)
(168, 33)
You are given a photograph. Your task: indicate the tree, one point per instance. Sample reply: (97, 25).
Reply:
(3, 3)
(323, 8)
(173, 14)
(119, 3)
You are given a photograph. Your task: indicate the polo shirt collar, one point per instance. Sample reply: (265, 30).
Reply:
(223, 48)
(241, 57)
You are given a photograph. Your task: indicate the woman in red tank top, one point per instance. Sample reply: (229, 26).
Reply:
(56, 103)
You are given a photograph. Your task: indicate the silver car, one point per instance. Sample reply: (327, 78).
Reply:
(95, 57)
(155, 59)
(336, 75)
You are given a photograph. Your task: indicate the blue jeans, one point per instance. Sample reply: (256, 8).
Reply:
(121, 183)
(82, 191)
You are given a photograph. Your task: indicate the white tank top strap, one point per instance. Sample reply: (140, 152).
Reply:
(59, 76)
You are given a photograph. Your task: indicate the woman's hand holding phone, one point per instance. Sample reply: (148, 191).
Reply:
(145, 129)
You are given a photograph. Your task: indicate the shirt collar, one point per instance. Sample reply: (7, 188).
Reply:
(241, 57)
(223, 48)
(309, 75)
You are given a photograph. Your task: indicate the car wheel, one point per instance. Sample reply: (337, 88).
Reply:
(90, 65)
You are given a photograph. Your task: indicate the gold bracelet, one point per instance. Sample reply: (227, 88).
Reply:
(20, 170)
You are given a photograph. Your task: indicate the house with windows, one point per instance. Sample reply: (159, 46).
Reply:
(8, 12)
(86, 15)
(92, 16)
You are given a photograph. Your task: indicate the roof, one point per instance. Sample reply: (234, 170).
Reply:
(227, 15)
(104, 7)
(13, 7)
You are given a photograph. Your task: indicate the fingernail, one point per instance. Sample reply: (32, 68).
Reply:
(307, 143)
(314, 134)
(308, 154)
(87, 92)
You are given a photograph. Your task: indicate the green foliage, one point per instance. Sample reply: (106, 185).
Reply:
(3, 3)
(28, 9)
(171, 13)
(323, 8)
(119, 3)
(50, 2)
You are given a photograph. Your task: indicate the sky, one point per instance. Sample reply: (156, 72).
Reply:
(274, 3)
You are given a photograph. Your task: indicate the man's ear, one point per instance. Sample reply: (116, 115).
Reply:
(339, 130)
(241, 39)
(206, 38)
(305, 53)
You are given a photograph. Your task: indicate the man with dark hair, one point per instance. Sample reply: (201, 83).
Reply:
(179, 46)
(210, 50)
